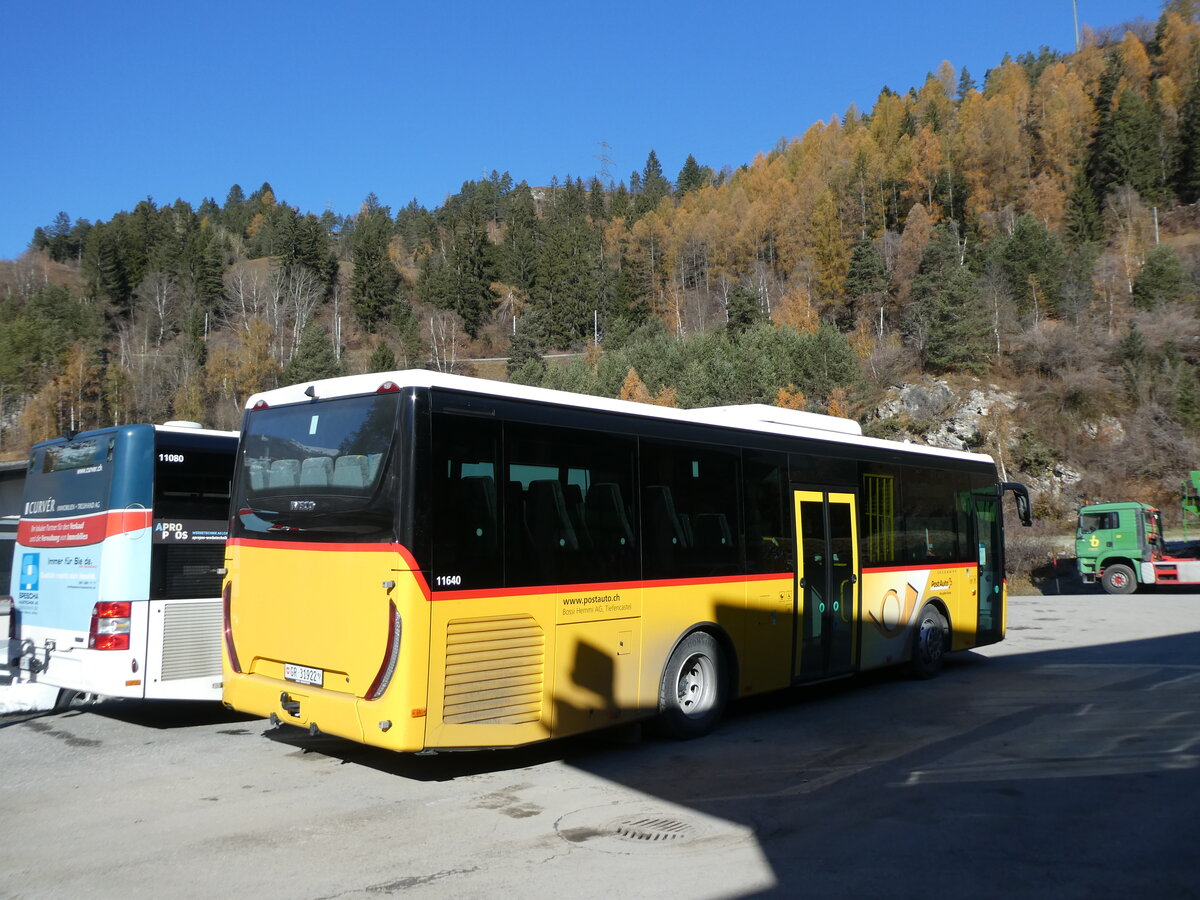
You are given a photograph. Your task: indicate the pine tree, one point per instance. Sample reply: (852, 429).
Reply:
(518, 254)
(235, 215)
(314, 357)
(472, 267)
(620, 205)
(1083, 224)
(1162, 279)
(1135, 359)
(597, 209)
(375, 283)
(966, 84)
(744, 309)
(945, 320)
(1187, 175)
(565, 287)
(692, 177)
(415, 226)
(654, 186)
(382, 359)
(1187, 400)
(867, 279)
(524, 354)
(1126, 150)
(1034, 262)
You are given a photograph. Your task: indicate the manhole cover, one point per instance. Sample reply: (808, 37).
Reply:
(652, 829)
(637, 829)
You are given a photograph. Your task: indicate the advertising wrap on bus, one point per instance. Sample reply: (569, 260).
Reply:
(115, 582)
(58, 572)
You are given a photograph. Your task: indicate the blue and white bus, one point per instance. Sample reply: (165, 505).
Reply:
(116, 576)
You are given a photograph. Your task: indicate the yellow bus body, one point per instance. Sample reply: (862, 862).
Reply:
(476, 671)
(760, 549)
(517, 667)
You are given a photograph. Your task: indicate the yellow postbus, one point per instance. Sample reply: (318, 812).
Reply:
(421, 561)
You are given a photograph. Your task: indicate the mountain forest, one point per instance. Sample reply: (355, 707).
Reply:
(1035, 231)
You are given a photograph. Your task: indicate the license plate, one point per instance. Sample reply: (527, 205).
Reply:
(303, 674)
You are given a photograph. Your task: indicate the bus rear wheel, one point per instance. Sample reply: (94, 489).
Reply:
(930, 641)
(691, 696)
(1118, 579)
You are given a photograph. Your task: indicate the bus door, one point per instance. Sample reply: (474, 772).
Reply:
(986, 519)
(826, 583)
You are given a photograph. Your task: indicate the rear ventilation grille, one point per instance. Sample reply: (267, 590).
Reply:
(495, 670)
(191, 640)
(187, 572)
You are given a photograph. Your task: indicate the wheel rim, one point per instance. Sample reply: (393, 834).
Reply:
(696, 689)
(1117, 579)
(931, 639)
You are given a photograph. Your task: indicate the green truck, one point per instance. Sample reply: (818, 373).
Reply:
(1121, 545)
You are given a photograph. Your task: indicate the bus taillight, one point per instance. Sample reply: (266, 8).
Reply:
(109, 629)
(226, 595)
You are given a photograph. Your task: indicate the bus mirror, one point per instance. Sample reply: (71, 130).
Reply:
(1021, 495)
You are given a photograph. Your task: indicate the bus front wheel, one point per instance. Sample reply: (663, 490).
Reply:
(1118, 579)
(929, 642)
(691, 697)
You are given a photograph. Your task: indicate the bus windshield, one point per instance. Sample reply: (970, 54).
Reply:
(317, 472)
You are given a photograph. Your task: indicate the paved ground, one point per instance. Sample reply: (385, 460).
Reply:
(1064, 762)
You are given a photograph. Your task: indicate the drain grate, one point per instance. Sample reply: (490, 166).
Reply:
(652, 829)
(629, 829)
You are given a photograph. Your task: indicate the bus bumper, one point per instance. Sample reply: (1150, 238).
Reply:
(324, 711)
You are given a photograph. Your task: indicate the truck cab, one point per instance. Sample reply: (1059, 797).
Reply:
(1117, 544)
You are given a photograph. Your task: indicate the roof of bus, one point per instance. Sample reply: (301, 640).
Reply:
(175, 427)
(752, 417)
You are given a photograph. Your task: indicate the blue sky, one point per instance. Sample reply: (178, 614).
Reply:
(105, 103)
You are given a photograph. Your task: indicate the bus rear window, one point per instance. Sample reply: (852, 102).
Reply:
(77, 455)
(316, 472)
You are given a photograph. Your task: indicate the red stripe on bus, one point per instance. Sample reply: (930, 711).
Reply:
(927, 567)
(81, 531)
(535, 590)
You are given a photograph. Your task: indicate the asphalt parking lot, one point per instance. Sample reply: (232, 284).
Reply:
(1064, 762)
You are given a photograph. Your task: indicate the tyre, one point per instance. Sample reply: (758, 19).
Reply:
(68, 699)
(691, 696)
(931, 639)
(1118, 579)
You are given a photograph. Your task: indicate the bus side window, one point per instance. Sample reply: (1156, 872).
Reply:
(931, 515)
(881, 519)
(466, 520)
(690, 521)
(768, 528)
(567, 493)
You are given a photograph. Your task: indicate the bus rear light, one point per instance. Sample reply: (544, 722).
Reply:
(109, 628)
(110, 609)
(226, 596)
(388, 387)
(391, 655)
(108, 642)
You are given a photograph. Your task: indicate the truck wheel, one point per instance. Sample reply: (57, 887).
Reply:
(1118, 579)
